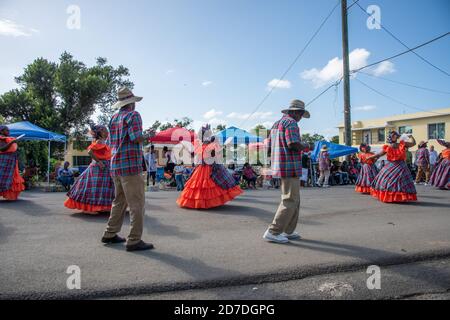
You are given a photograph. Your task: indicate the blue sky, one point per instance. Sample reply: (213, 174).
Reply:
(213, 60)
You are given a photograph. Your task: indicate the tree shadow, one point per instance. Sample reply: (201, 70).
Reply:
(27, 207)
(369, 256)
(155, 227)
(5, 232)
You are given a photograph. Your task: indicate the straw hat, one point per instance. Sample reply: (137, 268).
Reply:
(125, 96)
(298, 105)
(324, 148)
(423, 144)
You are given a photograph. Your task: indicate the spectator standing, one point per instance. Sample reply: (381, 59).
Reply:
(324, 167)
(423, 163)
(179, 176)
(433, 158)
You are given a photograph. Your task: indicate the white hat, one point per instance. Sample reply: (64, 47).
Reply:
(125, 96)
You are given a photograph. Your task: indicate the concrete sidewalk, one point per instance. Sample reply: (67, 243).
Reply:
(342, 231)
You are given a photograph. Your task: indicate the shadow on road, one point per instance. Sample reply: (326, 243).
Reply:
(371, 256)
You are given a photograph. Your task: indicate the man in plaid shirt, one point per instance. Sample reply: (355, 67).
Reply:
(285, 148)
(126, 140)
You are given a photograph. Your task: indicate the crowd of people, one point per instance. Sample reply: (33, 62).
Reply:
(114, 181)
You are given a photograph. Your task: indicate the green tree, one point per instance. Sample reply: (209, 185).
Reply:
(220, 127)
(335, 139)
(312, 139)
(115, 78)
(62, 96)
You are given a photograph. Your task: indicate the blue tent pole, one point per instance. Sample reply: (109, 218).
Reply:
(48, 163)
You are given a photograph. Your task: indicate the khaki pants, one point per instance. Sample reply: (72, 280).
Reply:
(130, 192)
(286, 218)
(324, 177)
(423, 171)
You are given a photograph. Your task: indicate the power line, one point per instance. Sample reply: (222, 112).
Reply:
(354, 2)
(395, 100)
(400, 41)
(404, 83)
(402, 53)
(292, 64)
(336, 84)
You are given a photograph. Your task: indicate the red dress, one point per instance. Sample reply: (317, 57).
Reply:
(17, 185)
(367, 174)
(201, 192)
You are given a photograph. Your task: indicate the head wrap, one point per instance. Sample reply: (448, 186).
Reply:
(206, 133)
(363, 147)
(3, 127)
(96, 130)
(391, 134)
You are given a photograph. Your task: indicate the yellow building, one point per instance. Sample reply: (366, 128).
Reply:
(427, 126)
(77, 154)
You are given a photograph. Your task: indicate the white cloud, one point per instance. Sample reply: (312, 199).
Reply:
(211, 114)
(170, 71)
(366, 108)
(279, 84)
(206, 83)
(12, 29)
(333, 70)
(254, 116)
(383, 68)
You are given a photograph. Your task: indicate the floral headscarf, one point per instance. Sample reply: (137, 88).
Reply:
(391, 134)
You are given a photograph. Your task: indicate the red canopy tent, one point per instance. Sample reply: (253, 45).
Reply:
(173, 136)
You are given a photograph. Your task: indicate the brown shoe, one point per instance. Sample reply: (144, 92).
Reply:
(140, 246)
(114, 240)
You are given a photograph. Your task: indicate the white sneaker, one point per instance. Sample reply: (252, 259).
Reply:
(425, 184)
(292, 236)
(326, 186)
(273, 238)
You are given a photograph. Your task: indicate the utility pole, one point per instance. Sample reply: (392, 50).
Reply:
(347, 107)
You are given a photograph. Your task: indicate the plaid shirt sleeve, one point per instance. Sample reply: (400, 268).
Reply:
(292, 133)
(134, 126)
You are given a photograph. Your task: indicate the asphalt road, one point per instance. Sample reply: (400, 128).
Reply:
(343, 232)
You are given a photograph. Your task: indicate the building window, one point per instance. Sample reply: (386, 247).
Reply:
(381, 135)
(436, 131)
(367, 137)
(405, 130)
(81, 161)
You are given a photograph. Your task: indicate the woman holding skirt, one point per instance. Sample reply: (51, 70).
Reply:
(394, 183)
(210, 185)
(440, 177)
(11, 183)
(368, 170)
(93, 192)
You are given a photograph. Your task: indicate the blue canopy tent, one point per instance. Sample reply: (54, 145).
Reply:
(335, 150)
(233, 135)
(35, 133)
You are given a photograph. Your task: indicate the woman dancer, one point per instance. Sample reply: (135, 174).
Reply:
(11, 183)
(210, 185)
(368, 170)
(93, 192)
(394, 183)
(440, 177)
